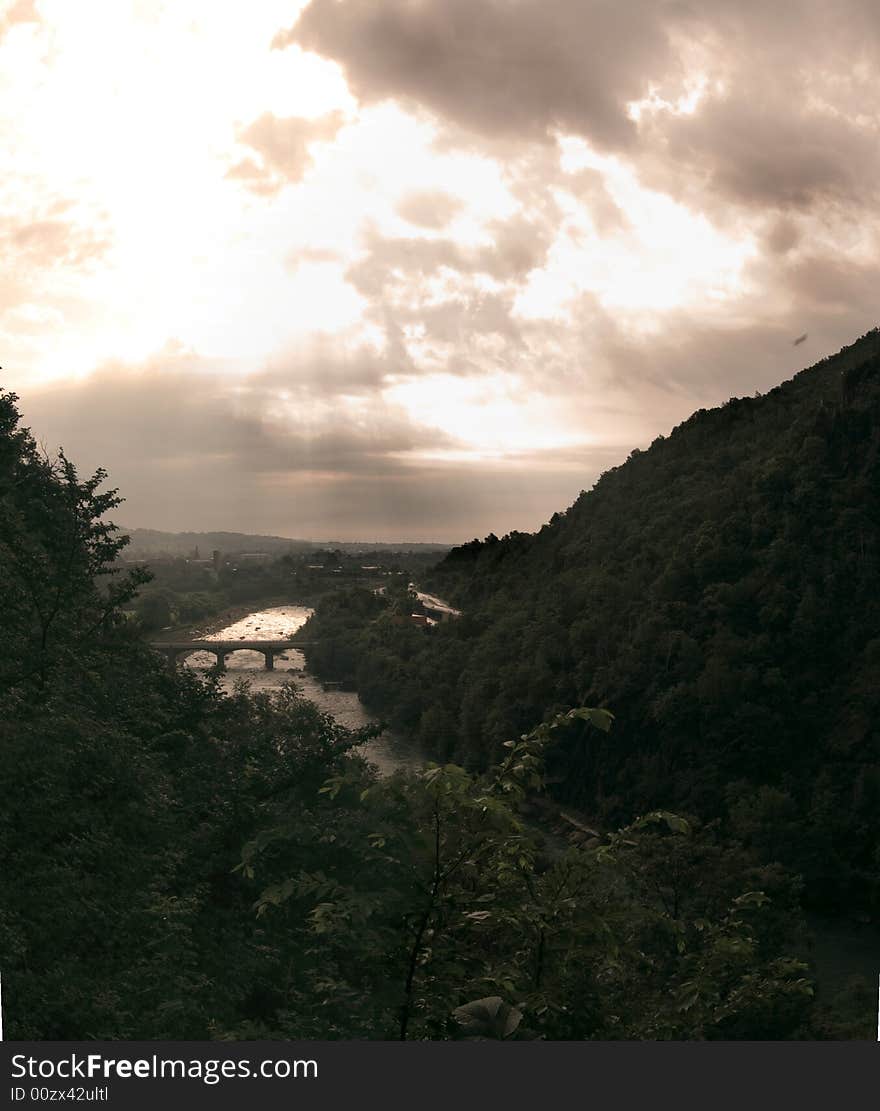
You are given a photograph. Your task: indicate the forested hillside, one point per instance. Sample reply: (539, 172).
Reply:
(178, 863)
(719, 592)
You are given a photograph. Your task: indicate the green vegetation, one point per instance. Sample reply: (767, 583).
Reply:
(177, 863)
(184, 591)
(719, 591)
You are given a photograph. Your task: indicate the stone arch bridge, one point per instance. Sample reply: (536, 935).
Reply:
(175, 650)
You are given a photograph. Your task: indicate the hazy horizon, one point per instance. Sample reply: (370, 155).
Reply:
(127, 528)
(420, 269)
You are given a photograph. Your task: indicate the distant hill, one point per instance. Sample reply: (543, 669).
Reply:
(150, 543)
(720, 593)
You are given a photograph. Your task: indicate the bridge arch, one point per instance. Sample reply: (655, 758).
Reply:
(178, 654)
(268, 654)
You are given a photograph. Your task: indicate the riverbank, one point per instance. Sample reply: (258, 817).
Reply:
(839, 952)
(388, 752)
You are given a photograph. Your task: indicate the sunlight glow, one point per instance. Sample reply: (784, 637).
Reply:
(492, 415)
(129, 118)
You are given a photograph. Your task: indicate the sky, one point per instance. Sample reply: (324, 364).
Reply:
(419, 269)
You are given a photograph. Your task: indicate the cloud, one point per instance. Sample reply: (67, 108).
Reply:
(762, 118)
(305, 255)
(787, 116)
(512, 252)
(447, 305)
(16, 13)
(771, 150)
(781, 236)
(700, 359)
(51, 242)
(429, 208)
(316, 410)
(514, 248)
(38, 254)
(517, 69)
(284, 149)
(590, 190)
(828, 288)
(400, 264)
(188, 447)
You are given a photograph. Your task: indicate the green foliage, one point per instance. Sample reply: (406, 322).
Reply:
(178, 863)
(128, 791)
(154, 610)
(58, 585)
(488, 1018)
(448, 919)
(719, 591)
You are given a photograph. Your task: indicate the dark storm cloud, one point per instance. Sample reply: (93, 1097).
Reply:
(175, 412)
(283, 145)
(781, 236)
(789, 116)
(793, 124)
(828, 287)
(189, 448)
(781, 149)
(770, 151)
(496, 66)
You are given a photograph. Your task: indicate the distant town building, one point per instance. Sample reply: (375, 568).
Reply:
(254, 557)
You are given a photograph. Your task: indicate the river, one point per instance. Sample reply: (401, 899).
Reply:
(435, 604)
(388, 752)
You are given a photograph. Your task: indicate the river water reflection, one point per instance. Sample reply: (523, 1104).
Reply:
(388, 751)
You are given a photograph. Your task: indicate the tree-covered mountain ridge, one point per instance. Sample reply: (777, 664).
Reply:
(180, 863)
(146, 543)
(718, 592)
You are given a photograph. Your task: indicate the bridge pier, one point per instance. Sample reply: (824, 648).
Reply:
(173, 651)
